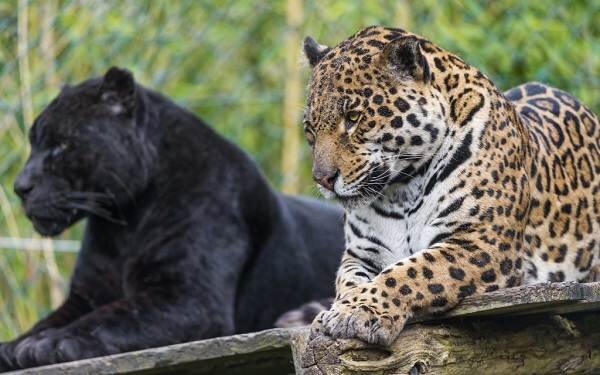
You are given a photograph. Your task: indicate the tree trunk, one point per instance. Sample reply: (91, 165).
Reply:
(292, 100)
(560, 334)
(508, 345)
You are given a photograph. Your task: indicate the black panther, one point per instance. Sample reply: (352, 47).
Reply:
(184, 238)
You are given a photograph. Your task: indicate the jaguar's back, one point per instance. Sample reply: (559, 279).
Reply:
(562, 237)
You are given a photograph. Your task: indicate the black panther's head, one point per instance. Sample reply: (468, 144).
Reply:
(89, 154)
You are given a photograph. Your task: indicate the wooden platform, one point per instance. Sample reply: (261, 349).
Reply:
(543, 329)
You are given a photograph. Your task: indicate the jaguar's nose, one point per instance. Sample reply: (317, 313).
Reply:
(326, 178)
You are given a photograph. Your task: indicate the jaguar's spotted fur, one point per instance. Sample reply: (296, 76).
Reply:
(451, 187)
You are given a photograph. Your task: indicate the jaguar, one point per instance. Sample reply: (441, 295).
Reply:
(451, 187)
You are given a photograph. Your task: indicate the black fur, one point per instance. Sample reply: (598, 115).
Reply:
(185, 240)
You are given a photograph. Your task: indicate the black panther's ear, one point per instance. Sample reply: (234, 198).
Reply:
(118, 90)
(314, 51)
(404, 57)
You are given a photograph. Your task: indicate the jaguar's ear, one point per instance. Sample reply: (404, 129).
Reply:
(314, 51)
(118, 90)
(405, 59)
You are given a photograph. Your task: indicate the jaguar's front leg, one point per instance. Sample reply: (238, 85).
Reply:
(432, 280)
(352, 273)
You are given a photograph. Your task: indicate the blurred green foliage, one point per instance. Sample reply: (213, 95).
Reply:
(224, 60)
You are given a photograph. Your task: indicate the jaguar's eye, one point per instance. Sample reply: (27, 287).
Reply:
(352, 118)
(59, 149)
(310, 137)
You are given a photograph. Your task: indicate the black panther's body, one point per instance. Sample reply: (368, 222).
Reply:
(184, 240)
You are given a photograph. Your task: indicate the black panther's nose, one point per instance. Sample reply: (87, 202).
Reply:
(326, 178)
(23, 185)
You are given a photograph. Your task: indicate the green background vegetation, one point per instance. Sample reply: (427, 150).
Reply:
(225, 60)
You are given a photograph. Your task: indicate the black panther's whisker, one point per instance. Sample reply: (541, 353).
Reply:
(96, 210)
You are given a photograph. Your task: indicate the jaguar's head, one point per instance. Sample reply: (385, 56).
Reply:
(88, 154)
(373, 116)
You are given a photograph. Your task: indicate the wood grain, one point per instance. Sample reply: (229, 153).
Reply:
(485, 331)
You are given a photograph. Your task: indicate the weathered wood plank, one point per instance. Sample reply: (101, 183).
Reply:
(271, 351)
(254, 353)
(550, 298)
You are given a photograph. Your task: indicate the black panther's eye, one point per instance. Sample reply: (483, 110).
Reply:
(59, 149)
(352, 118)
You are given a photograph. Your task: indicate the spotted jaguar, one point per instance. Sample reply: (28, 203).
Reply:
(451, 187)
